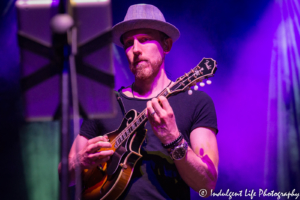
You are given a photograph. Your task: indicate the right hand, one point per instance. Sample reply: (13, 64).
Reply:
(90, 156)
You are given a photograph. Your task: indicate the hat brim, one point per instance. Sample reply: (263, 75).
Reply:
(125, 26)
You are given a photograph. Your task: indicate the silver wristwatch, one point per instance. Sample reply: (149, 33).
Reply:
(178, 152)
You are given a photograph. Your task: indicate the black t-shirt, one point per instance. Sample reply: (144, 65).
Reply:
(155, 175)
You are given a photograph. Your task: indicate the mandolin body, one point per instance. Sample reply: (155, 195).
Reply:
(109, 180)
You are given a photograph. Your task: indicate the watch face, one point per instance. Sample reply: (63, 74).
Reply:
(179, 153)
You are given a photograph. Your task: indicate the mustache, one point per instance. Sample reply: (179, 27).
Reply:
(136, 60)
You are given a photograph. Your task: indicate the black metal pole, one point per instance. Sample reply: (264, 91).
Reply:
(61, 24)
(62, 53)
(65, 129)
(62, 7)
(61, 56)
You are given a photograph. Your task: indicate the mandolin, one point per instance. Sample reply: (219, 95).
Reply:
(109, 180)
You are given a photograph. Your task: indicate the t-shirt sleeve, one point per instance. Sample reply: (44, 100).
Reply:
(89, 129)
(204, 114)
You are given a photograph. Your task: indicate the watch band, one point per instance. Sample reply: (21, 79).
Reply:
(181, 147)
(173, 143)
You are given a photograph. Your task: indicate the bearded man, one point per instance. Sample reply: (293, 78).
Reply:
(183, 123)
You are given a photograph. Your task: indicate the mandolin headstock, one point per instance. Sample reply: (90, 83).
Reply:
(205, 69)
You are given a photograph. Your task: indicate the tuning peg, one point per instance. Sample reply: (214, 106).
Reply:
(196, 87)
(202, 84)
(208, 82)
(190, 92)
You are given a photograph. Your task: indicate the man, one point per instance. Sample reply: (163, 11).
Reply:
(186, 123)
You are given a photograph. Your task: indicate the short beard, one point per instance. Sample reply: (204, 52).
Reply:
(143, 72)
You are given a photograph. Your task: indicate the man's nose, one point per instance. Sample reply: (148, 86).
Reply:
(136, 48)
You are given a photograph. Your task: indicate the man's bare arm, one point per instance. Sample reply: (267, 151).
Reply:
(199, 168)
(84, 154)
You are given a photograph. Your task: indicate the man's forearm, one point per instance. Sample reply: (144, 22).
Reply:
(198, 172)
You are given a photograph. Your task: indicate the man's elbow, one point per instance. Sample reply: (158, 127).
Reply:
(211, 178)
(208, 190)
(205, 188)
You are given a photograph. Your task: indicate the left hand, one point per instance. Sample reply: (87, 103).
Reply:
(163, 120)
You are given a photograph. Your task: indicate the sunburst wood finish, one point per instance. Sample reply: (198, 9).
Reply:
(108, 181)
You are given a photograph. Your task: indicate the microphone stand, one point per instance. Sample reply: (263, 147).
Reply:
(61, 24)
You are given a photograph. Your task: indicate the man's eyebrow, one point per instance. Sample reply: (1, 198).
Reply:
(146, 33)
(127, 38)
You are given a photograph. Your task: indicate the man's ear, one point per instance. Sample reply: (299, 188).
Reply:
(167, 45)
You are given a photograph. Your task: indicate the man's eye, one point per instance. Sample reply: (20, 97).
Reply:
(145, 39)
(128, 44)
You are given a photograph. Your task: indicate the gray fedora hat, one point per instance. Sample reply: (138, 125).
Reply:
(143, 16)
